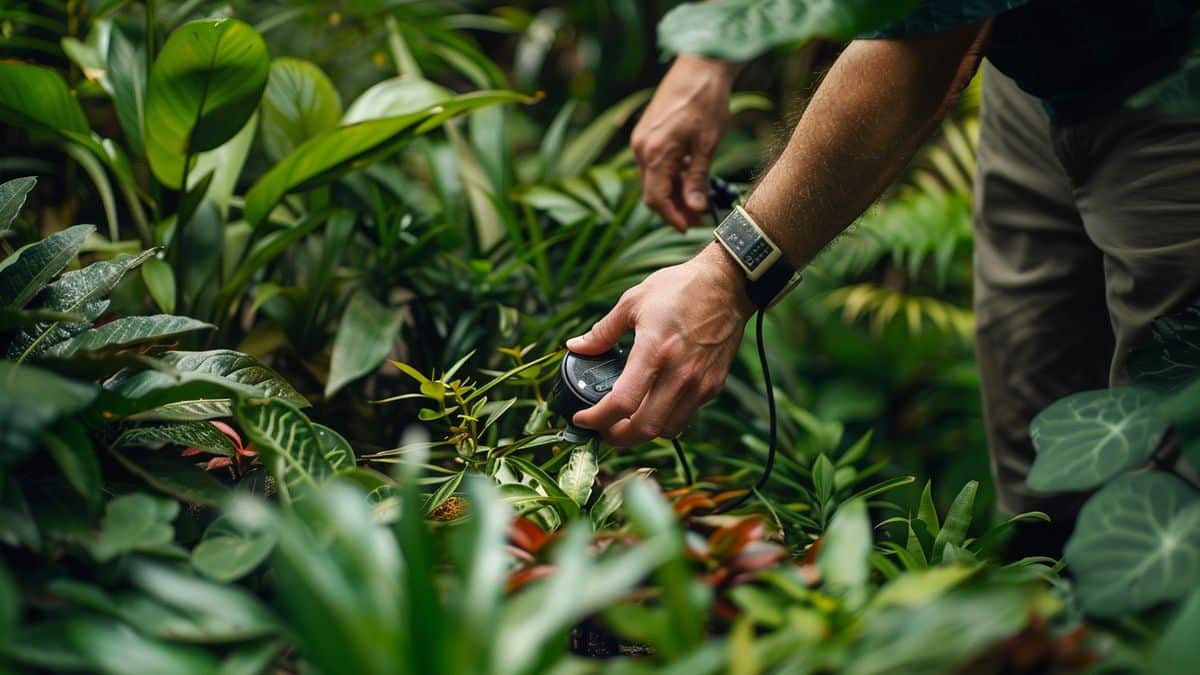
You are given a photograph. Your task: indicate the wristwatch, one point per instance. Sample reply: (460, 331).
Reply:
(769, 275)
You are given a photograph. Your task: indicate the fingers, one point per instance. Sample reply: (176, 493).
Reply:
(606, 332)
(660, 182)
(627, 394)
(695, 182)
(665, 400)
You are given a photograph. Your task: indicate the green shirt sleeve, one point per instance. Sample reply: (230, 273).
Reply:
(934, 16)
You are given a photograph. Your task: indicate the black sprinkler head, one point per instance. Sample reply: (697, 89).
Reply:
(582, 382)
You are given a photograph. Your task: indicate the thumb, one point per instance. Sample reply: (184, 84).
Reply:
(695, 182)
(605, 333)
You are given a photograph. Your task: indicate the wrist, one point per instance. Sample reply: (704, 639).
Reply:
(727, 274)
(724, 71)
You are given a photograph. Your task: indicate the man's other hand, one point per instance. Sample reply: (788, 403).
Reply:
(676, 137)
(688, 321)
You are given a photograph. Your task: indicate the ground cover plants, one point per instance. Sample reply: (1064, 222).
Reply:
(283, 289)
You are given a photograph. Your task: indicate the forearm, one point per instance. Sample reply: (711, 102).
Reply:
(875, 108)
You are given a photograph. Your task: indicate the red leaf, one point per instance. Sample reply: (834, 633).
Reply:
(230, 433)
(692, 502)
(218, 463)
(521, 578)
(190, 452)
(527, 535)
(759, 555)
(727, 542)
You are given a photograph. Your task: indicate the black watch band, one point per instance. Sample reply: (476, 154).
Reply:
(769, 275)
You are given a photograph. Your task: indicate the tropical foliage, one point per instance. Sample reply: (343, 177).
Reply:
(284, 406)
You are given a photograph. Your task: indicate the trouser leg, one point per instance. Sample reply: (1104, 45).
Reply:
(1042, 326)
(1137, 187)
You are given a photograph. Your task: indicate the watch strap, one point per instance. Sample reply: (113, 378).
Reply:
(778, 278)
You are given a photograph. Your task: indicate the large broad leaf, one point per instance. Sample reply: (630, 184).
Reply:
(287, 441)
(299, 103)
(578, 476)
(200, 435)
(327, 156)
(739, 30)
(84, 292)
(127, 331)
(37, 98)
(228, 552)
(230, 609)
(205, 85)
(113, 648)
(31, 399)
(12, 199)
(397, 96)
(200, 387)
(28, 270)
(365, 337)
(1089, 437)
(335, 449)
(1137, 543)
(136, 522)
(1171, 359)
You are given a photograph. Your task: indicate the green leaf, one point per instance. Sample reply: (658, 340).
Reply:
(233, 610)
(844, 560)
(114, 648)
(1086, 438)
(160, 282)
(201, 435)
(35, 97)
(396, 96)
(28, 270)
(579, 475)
(739, 30)
(205, 84)
(12, 200)
(927, 512)
(1178, 651)
(958, 519)
(198, 389)
(1171, 358)
(823, 475)
(585, 148)
(72, 451)
(300, 101)
(287, 441)
(127, 331)
(173, 475)
(228, 552)
(135, 522)
(1175, 94)
(126, 71)
(335, 448)
(365, 337)
(84, 291)
(31, 399)
(328, 155)
(1136, 544)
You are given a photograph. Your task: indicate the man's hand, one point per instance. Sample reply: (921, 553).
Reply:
(688, 321)
(675, 140)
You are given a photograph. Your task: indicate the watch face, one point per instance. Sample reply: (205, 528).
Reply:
(744, 241)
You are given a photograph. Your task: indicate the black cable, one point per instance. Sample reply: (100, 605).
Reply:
(772, 416)
(687, 468)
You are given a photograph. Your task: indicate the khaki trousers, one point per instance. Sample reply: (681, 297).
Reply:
(1084, 234)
